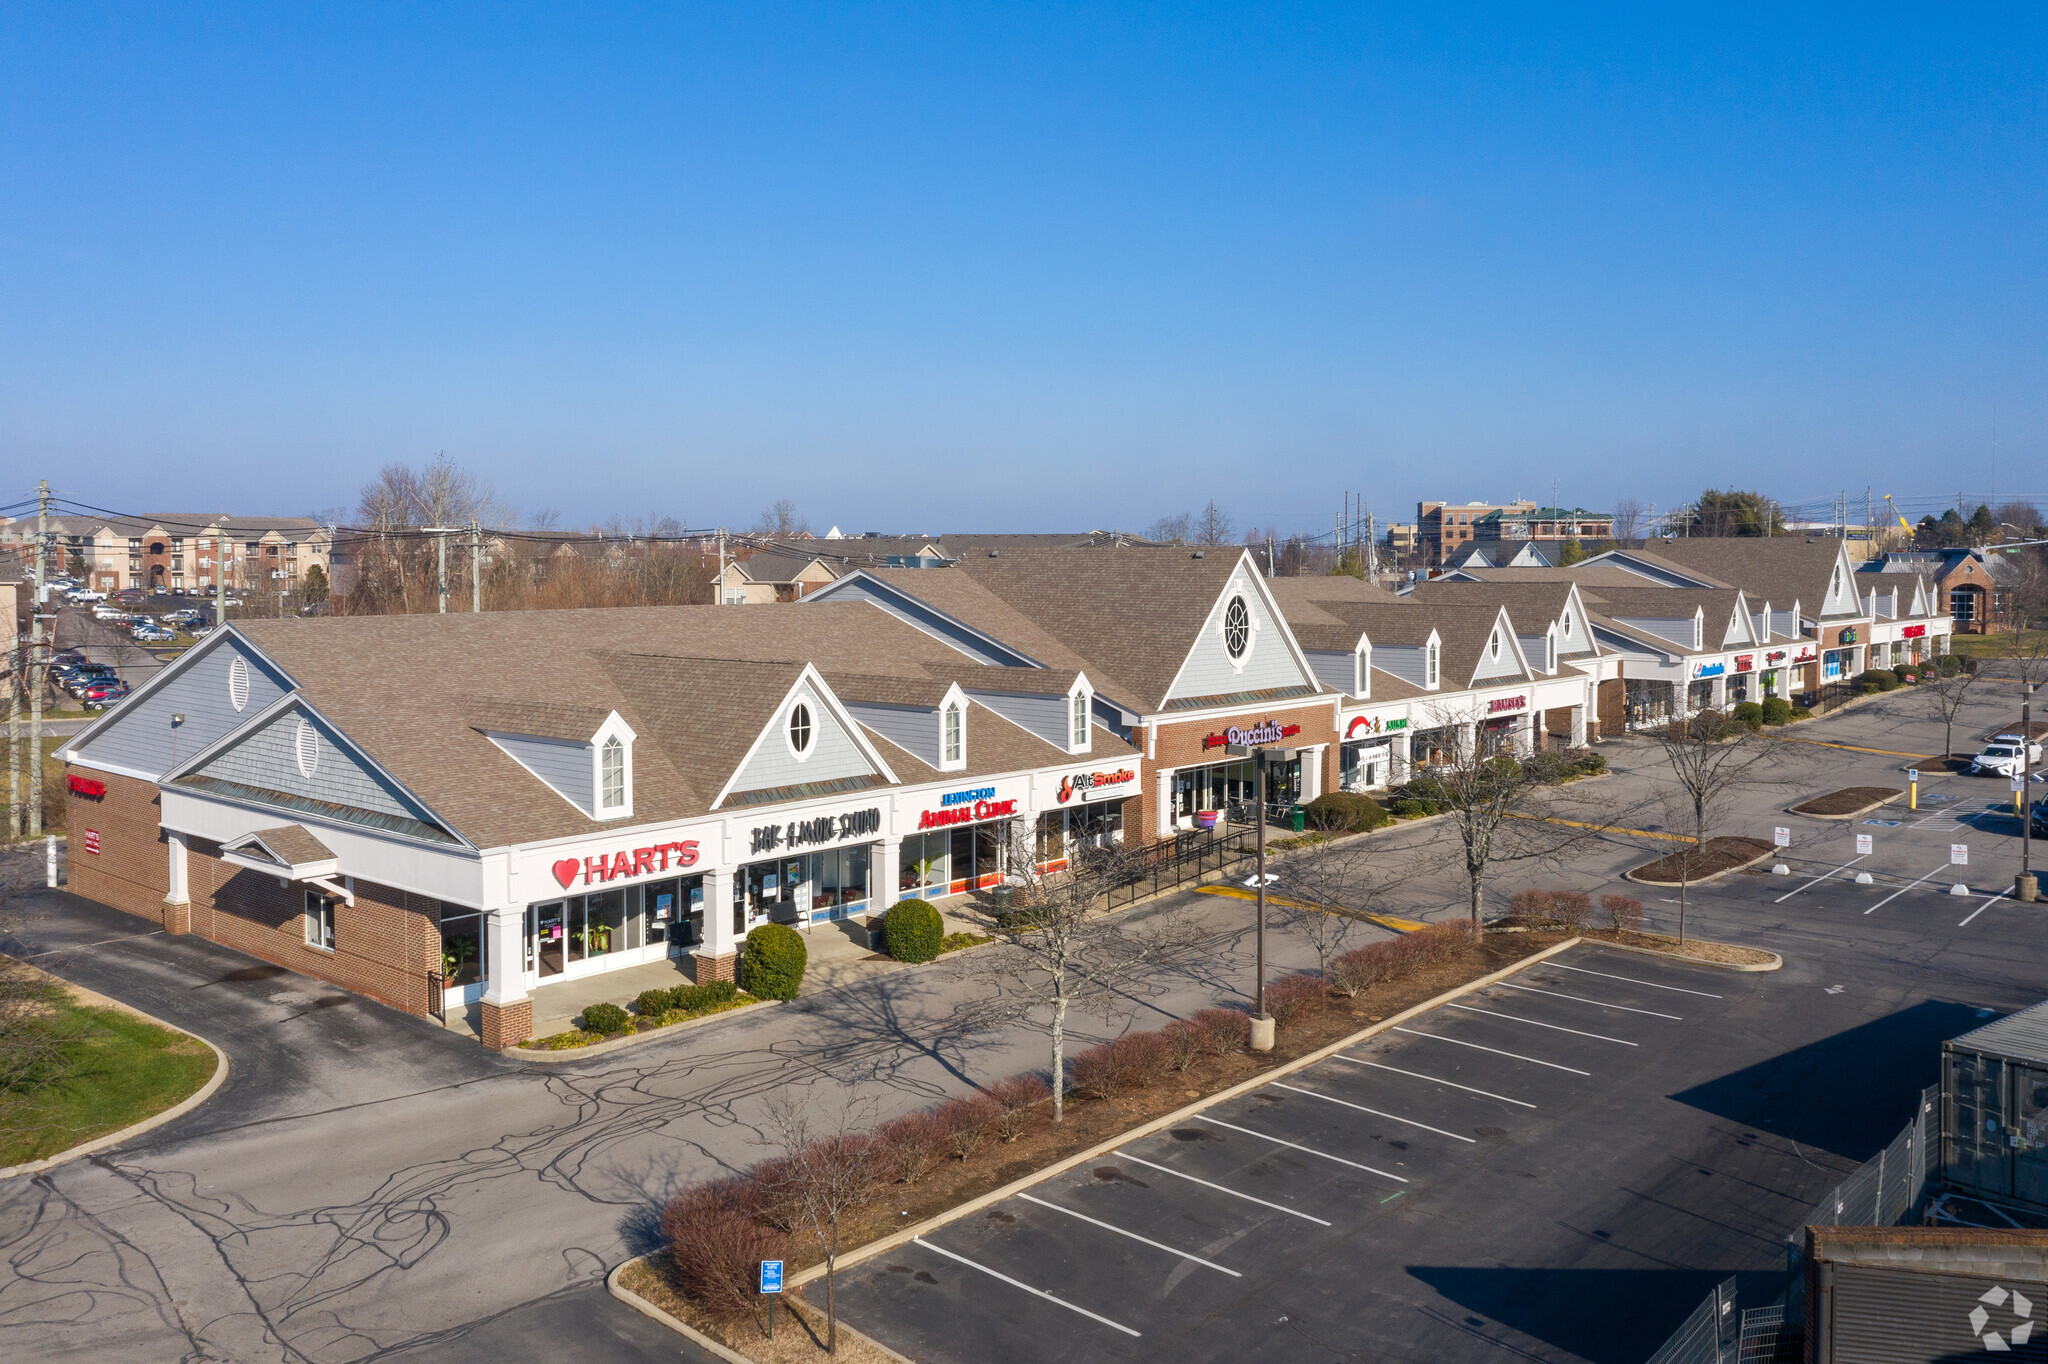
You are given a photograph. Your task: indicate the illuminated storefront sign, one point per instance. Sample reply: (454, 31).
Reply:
(646, 861)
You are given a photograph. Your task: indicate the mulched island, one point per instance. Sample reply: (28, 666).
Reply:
(1850, 800)
(1717, 858)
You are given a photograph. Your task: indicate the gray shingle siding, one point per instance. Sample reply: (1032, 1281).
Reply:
(912, 729)
(833, 753)
(1337, 671)
(1267, 662)
(1678, 632)
(1045, 716)
(565, 767)
(268, 758)
(1409, 662)
(141, 737)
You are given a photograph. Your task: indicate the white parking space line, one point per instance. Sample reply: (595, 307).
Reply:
(1019, 1283)
(1142, 1240)
(1297, 1146)
(1418, 1075)
(1391, 1117)
(1903, 889)
(1554, 1027)
(1986, 905)
(1439, 1037)
(1818, 879)
(1679, 989)
(1581, 999)
(1276, 1207)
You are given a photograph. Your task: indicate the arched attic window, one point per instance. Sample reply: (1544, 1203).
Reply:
(611, 767)
(955, 749)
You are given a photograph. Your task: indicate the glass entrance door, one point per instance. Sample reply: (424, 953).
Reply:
(546, 937)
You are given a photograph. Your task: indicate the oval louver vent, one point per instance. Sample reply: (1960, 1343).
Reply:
(238, 684)
(307, 745)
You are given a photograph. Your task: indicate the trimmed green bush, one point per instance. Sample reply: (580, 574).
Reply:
(1801, 713)
(1776, 710)
(606, 1019)
(1748, 713)
(912, 930)
(1592, 764)
(1877, 679)
(653, 1003)
(772, 964)
(1902, 672)
(1346, 812)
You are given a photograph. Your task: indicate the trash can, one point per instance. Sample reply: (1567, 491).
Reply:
(1002, 897)
(1297, 819)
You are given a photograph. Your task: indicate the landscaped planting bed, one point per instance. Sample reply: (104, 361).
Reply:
(1850, 800)
(653, 1009)
(1718, 857)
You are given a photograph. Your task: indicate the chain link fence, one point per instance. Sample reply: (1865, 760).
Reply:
(1882, 1192)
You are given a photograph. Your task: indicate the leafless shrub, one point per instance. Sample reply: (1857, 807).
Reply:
(715, 1244)
(1534, 906)
(1017, 1097)
(916, 1143)
(1186, 1043)
(828, 1172)
(1225, 1031)
(968, 1120)
(1572, 908)
(1624, 912)
(1128, 1062)
(1296, 999)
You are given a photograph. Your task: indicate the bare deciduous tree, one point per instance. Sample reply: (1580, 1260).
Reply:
(1710, 758)
(830, 1169)
(1324, 888)
(1067, 956)
(1213, 526)
(781, 519)
(1946, 691)
(1504, 811)
(2025, 589)
(1176, 529)
(1629, 519)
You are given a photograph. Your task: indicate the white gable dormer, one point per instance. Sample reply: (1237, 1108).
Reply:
(1432, 662)
(1699, 627)
(953, 730)
(1550, 649)
(1080, 715)
(812, 738)
(611, 767)
(1361, 670)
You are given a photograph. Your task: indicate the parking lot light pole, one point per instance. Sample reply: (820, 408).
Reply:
(1262, 1022)
(2026, 887)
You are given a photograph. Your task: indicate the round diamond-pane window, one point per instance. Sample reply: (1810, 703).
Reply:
(800, 727)
(1237, 627)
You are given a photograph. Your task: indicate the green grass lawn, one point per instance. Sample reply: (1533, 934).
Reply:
(1986, 647)
(119, 1070)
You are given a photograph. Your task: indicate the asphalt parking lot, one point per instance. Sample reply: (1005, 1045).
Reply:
(1559, 1165)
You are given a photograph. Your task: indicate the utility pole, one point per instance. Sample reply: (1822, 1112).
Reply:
(476, 582)
(34, 670)
(2026, 887)
(1372, 550)
(220, 577)
(1869, 528)
(721, 565)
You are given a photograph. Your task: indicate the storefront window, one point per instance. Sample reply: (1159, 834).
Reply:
(922, 867)
(548, 926)
(462, 949)
(603, 925)
(805, 889)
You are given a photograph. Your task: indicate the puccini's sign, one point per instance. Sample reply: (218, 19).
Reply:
(967, 807)
(804, 833)
(649, 861)
(1096, 785)
(1264, 732)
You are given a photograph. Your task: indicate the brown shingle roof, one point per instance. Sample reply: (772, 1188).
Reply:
(1776, 569)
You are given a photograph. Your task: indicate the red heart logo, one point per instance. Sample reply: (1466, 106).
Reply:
(565, 871)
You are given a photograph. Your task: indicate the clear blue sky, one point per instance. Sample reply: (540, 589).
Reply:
(1019, 267)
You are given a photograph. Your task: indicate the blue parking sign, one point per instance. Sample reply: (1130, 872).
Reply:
(771, 1276)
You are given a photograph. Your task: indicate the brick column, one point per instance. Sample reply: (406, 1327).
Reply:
(507, 1008)
(717, 957)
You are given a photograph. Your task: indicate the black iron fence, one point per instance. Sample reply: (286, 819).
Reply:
(1175, 862)
(437, 995)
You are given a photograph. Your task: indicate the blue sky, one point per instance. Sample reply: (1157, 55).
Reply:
(1020, 267)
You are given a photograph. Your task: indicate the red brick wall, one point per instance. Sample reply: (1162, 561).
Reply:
(384, 944)
(132, 870)
(1180, 745)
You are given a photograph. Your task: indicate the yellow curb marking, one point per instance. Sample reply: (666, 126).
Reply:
(1383, 920)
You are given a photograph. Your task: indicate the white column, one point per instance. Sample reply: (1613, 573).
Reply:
(1523, 735)
(1163, 807)
(504, 954)
(719, 938)
(179, 892)
(1312, 772)
(883, 872)
(1402, 757)
(1578, 739)
(1467, 735)
(1719, 692)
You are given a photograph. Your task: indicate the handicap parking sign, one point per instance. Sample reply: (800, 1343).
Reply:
(771, 1276)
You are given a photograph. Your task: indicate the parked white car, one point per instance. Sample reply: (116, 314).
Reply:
(85, 594)
(2004, 754)
(104, 612)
